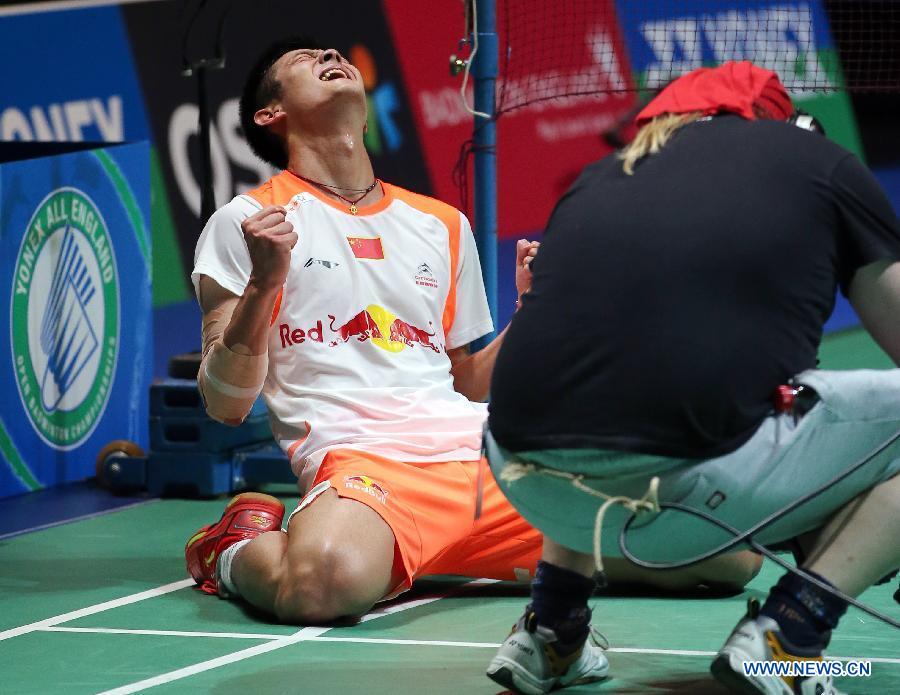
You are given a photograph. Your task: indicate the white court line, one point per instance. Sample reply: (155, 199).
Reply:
(390, 608)
(411, 642)
(297, 637)
(306, 634)
(96, 608)
(495, 645)
(162, 633)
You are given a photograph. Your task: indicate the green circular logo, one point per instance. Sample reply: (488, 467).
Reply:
(65, 318)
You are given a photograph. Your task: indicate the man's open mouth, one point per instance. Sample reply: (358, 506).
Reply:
(333, 74)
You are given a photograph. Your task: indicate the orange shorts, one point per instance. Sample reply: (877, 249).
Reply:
(430, 507)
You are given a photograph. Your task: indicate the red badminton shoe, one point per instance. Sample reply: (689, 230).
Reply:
(246, 516)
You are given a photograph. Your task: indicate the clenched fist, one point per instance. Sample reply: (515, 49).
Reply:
(270, 238)
(525, 254)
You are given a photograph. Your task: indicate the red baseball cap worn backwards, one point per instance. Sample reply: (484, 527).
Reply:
(733, 87)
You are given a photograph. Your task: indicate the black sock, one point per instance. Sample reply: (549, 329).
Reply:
(805, 613)
(559, 600)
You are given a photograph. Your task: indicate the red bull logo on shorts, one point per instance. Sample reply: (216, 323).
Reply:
(364, 483)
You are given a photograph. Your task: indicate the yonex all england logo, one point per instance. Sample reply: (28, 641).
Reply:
(65, 318)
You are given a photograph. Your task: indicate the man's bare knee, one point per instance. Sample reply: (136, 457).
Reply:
(729, 572)
(732, 571)
(323, 585)
(256, 570)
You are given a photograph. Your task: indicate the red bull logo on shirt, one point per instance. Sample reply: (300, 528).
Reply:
(374, 323)
(361, 326)
(295, 336)
(388, 331)
(364, 483)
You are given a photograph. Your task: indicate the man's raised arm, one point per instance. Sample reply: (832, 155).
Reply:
(875, 294)
(472, 372)
(235, 329)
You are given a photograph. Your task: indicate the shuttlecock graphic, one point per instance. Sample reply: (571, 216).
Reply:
(67, 337)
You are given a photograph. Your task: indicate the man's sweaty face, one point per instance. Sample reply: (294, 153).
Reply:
(310, 78)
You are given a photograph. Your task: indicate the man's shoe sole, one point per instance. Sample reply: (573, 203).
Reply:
(513, 677)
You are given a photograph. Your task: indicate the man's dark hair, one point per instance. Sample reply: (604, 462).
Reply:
(260, 88)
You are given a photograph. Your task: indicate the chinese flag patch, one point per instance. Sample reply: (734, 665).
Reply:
(366, 248)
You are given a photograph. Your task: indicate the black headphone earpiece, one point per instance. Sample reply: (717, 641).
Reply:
(801, 119)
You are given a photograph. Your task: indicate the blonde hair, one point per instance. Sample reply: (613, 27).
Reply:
(653, 136)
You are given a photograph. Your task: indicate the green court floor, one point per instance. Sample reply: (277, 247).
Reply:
(101, 606)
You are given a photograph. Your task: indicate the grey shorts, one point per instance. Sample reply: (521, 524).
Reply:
(858, 412)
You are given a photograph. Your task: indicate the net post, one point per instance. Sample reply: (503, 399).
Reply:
(484, 72)
(207, 194)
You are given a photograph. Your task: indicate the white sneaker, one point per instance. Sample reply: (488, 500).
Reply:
(759, 638)
(527, 662)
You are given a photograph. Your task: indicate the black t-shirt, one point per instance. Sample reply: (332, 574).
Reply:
(666, 307)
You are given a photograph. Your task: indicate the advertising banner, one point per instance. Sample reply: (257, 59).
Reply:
(672, 38)
(541, 147)
(75, 364)
(82, 86)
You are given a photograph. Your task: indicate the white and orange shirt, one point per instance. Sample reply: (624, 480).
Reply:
(360, 332)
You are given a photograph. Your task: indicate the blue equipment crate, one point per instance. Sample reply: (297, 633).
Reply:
(181, 398)
(204, 435)
(176, 398)
(190, 474)
(262, 464)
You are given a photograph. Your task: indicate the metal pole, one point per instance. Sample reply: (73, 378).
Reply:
(200, 68)
(207, 196)
(484, 72)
